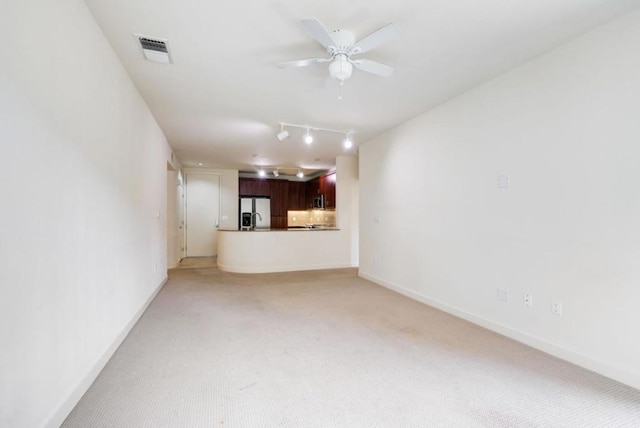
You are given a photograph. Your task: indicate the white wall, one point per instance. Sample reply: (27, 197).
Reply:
(347, 204)
(229, 199)
(83, 228)
(564, 128)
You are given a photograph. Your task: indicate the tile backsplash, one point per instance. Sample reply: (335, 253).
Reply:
(317, 217)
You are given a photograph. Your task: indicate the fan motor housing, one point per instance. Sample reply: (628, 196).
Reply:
(343, 39)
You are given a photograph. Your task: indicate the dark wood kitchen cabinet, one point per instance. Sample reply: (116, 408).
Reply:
(290, 195)
(313, 191)
(253, 187)
(279, 192)
(297, 195)
(323, 185)
(328, 189)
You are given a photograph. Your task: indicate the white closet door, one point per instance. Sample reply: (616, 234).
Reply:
(202, 213)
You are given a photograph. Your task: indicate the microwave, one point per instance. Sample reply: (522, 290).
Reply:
(318, 202)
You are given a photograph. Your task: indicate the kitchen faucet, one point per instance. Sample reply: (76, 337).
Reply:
(253, 219)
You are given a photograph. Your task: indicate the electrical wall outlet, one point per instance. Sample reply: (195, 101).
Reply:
(528, 300)
(556, 307)
(503, 295)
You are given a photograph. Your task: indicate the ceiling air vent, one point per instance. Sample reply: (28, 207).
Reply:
(154, 49)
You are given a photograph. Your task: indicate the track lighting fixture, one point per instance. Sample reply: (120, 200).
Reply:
(308, 137)
(265, 171)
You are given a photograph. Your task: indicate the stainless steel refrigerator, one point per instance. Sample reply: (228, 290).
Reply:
(255, 212)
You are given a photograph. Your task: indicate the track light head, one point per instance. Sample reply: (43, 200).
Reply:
(283, 135)
(308, 138)
(276, 173)
(299, 174)
(348, 141)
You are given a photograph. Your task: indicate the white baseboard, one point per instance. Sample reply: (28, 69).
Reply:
(615, 373)
(67, 406)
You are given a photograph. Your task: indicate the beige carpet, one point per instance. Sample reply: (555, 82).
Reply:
(328, 349)
(197, 262)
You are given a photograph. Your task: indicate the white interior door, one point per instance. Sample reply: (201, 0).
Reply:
(181, 220)
(202, 214)
(173, 229)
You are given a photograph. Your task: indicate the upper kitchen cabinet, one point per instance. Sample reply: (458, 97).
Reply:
(297, 195)
(291, 195)
(324, 185)
(327, 188)
(279, 192)
(313, 191)
(253, 187)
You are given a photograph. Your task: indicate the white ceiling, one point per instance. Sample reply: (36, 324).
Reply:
(220, 102)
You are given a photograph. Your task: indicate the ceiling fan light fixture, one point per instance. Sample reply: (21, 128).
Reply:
(341, 45)
(341, 69)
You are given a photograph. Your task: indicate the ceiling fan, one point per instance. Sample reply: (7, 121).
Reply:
(342, 45)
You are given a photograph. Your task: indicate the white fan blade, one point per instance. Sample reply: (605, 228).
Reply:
(318, 32)
(373, 67)
(302, 62)
(378, 37)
